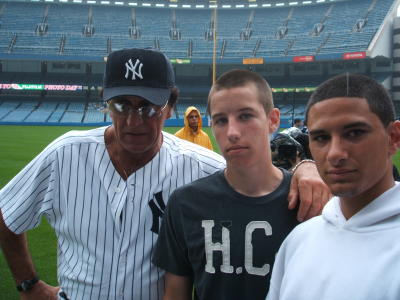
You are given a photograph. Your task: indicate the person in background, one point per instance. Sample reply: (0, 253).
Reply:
(298, 123)
(304, 141)
(352, 251)
(192, 130)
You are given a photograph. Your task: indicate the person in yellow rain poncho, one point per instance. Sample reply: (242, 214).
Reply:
(192, 131)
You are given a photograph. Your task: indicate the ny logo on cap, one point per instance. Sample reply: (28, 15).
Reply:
(133, 68)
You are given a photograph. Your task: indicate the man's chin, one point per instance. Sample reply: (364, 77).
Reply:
(345, 191)
(138, 146)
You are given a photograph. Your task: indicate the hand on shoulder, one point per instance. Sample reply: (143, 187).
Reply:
(308, 188)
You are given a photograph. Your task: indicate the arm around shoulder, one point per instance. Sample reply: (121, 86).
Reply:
(308, 188)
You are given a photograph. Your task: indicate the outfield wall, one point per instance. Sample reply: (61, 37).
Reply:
(285, 123)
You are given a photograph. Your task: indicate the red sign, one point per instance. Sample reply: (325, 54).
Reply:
(354, 55)
(305, 58)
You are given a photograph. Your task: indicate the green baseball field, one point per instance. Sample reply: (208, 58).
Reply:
(18, 145)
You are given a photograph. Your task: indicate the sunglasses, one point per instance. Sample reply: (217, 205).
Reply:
(123, 107)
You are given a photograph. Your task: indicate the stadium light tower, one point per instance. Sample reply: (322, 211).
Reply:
(214, 66)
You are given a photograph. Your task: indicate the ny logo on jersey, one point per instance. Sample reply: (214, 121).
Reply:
(157, 209)
(135, 69)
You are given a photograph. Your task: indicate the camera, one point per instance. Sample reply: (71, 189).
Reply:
(286, 151)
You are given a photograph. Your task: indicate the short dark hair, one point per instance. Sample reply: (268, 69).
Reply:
(238, 78)
(356, 86)
(173, 98)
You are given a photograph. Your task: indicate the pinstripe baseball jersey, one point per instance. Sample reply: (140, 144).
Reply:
(106, 227)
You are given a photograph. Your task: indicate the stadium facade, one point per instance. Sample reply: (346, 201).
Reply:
(52, 52)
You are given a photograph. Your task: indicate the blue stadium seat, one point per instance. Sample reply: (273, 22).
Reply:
(336, 35)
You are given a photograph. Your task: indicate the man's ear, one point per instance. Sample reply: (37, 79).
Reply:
(394, 136)
(274, 120)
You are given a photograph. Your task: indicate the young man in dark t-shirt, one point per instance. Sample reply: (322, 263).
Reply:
(223, 240)
(221, 233)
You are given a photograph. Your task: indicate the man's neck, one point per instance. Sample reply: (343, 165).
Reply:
(350, 205)
(248, 182)
(125, 162)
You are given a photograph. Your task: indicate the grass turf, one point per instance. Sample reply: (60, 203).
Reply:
(19, 144)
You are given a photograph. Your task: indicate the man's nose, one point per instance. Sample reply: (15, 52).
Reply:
(134, 118)
(233, 132)
(337, 151)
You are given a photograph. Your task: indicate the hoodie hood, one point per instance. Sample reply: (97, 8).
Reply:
(199, 137)
(186, 122)
(380, 214)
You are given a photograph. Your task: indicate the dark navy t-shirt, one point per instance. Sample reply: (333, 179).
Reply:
(224, 240)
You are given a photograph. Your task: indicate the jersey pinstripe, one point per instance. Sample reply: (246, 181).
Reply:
(106, 227)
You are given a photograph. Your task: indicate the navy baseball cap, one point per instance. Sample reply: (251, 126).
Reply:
(146, 73)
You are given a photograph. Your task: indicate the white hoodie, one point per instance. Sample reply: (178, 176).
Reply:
(331, 258)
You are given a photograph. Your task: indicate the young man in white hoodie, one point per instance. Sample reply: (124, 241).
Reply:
(352, 251)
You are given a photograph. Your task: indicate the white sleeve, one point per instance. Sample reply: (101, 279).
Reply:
(31, 192)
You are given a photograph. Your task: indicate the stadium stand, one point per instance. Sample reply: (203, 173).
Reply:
(6, 108)
(66, 37)
(57, 114)
(93, 30)
(94, 113)
(42, 112)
